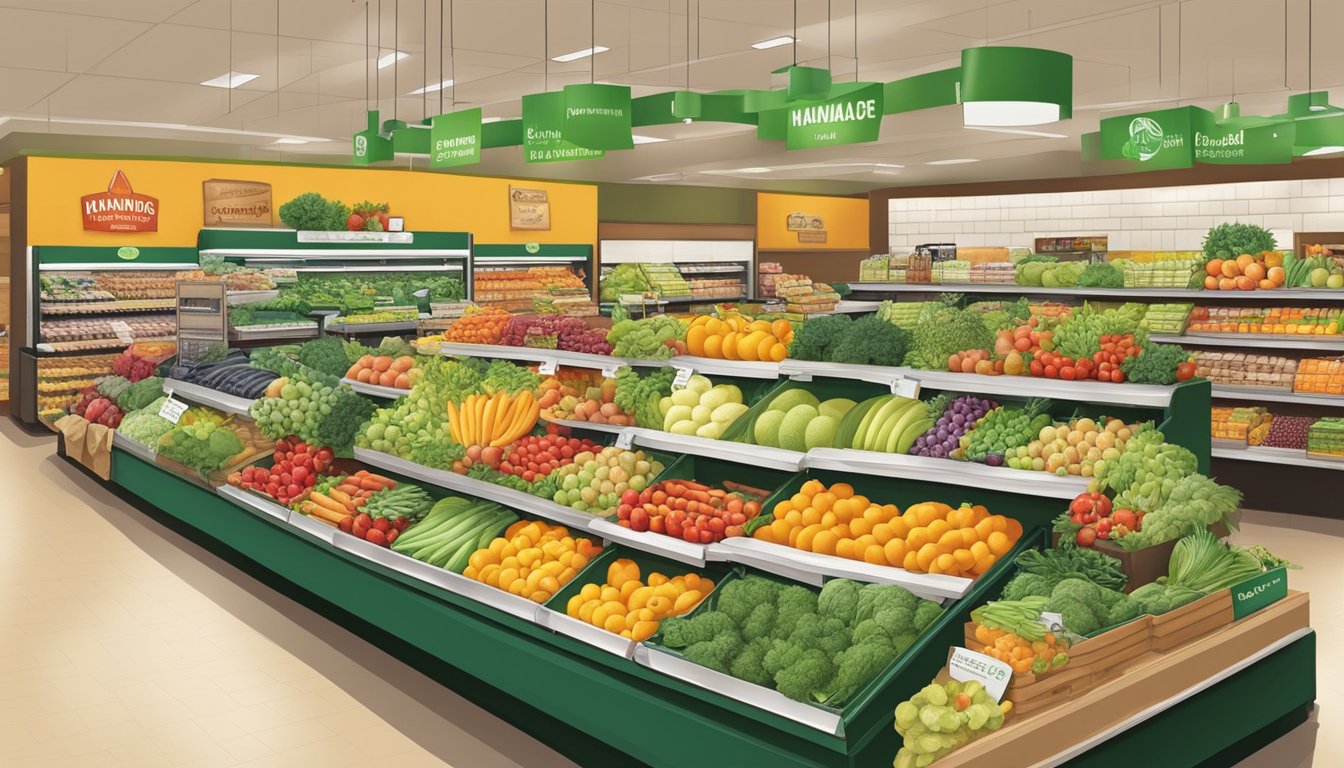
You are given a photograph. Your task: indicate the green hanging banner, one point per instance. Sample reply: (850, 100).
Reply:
(597, 116)
(370, 146)
(853, 118)
(543, 131)
(1155, 140)
(1242, 141)
(1181, 137)
(455, 139)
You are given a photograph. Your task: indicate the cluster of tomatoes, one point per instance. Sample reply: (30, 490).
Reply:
(294, 471)
(537, 456)
(688, 510)
(1104, 365)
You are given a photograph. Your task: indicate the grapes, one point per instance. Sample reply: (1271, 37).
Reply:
(957, 419)
(595, 481)
(999, 431)
(301, 405)
(941, 717)
(1079, 447)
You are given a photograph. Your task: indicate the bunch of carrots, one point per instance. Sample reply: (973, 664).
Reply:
(344, 499)
(493, 420)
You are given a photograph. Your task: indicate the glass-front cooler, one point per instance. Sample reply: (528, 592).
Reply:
(535, 277)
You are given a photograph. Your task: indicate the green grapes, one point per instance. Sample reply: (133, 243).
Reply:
(595, 481)
(1001, 430)
(301, 405)
(941, 717)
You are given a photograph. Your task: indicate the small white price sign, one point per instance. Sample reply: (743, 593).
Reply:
(547, 368)
(610, 370)
(624, 439)
(903, 387)
(172, 410)
(683, 378)
(123, 331)
(966, 665)
(1052, 621)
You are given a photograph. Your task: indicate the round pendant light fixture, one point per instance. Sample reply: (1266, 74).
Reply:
(1005, 86)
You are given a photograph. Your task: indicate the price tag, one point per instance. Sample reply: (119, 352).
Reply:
(547, 368)
(903, 387)
(172, 410)
(624, 439)
(124, 333)
(966, 665)
(1052, 621)
(683, 378)
(609, 371)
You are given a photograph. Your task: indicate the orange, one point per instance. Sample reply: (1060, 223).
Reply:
(805, 537)
(765, 347)
(845, 548)
(695, 340)
(824, 543)
(800, 501)
(715, 327)
(1231, 268)
(875, 554)
(712, 347)
(998, 543)
(1244, 261)
(883, 533)
(780, 328)
(748, 345)
(842, 490)
(729, 348)
(895, 551)
(860, 526)
(814, 487)
(823, 502)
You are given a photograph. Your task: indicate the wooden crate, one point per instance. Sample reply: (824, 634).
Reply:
(1191, 621)
(1091, 662)
(1144, 566)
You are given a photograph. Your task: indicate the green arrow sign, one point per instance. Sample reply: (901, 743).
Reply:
(543, 131)
(455, 139)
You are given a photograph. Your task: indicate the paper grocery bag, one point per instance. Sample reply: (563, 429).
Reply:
(98, 450)
(73, 428)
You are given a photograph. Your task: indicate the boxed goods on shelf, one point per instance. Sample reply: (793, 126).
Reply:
(996, 272)
(147, 326)
(1237, 424)
(666, 280)
(952, 271)
(1325, 438)
(1167, 318)
(1164, 273)
(715, 288)
(1320, 375)
(1311, 321)
(875, 268)
(1239, 369)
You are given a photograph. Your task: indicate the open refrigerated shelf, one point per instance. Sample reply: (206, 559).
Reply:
(1286, 456)
(205, 396)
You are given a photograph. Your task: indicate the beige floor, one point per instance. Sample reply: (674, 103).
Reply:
(122, 644)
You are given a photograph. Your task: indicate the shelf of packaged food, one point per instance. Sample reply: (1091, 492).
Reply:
(352, 329)
(1228, 392)
(1288, 456)
(935, 470)
(121, 306)
(251, 297)
(274, 333)
(260, 505)
(374, 390)
(739, 453)
(130, 446)
(1293, 294)
(523, 502)
(1332, 342)
(206, 396)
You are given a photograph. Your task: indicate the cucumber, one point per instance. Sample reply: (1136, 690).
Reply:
(451, 528)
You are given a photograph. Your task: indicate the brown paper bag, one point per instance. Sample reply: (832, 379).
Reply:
(73, 428)
(98, 450)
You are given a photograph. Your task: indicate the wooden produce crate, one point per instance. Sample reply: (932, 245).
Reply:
(1193, 620)
(1144, 566)
(1093, 661)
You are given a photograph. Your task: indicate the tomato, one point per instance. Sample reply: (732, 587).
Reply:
(1051, 372)
(1185, 371)
(1068, 373)
(1086, 537)
(1117, 376)
(1036, 368)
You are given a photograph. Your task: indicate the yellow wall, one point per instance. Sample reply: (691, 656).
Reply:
(846, 221)
(428, 201)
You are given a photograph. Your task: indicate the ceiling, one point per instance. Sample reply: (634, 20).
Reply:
(118, 68)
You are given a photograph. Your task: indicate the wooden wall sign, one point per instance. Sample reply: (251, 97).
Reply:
(528, 209)
(232, 203)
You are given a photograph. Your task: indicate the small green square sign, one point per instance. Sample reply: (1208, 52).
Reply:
(1250, 595)
(455, 138)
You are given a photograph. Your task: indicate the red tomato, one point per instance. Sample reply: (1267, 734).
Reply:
(1185, 371)
(1036, 368)
(1051, 372)
(1117, 376)
(1068, 373)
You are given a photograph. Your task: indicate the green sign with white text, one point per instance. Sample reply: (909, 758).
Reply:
(597, 116)
(1250, 595)
(853, 118)
(1241, 142)
(543, 131)
(1154, 140)
(455, 139)
(1181, 137)
(370, 145)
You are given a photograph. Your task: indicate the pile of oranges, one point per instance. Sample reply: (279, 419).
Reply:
(1021, 654)
(480, 325)
(629, 607)
(929, 537)
(1245, 272)
(738, 337)
(533, 559)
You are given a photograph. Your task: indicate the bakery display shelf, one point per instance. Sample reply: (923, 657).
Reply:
(375, 390)
(117, 306)
(1275, 395)
(1332, 342)
(205, 396)
(1120, 294)
(1288, 456)
(98, 345)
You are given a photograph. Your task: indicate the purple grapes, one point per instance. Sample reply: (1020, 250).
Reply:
(958, 419)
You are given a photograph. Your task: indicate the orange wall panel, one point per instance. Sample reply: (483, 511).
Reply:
(846, 220)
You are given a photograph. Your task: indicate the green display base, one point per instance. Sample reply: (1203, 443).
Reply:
(598, 709)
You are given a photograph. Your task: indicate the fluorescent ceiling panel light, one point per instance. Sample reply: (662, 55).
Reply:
(773, 42)
(230, 80)
(290, 140)
(636, 138)
(585, 53)
(1322, 151)
(953, 161)
(388, 59)
(754, 169)
(1005, 113)
(435, 88)
(1018, 132)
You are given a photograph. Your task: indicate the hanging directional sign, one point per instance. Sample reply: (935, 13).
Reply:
(455, 139)
(370, 147)
(543, 131)
(853, 118)
(1181, 137)
(597, 116)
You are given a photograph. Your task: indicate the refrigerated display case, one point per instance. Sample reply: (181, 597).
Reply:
(535, 278)
(677, 273)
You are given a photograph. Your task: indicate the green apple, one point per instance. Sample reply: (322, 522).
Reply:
(699, 383)
(1319, 277)
(1335, 281)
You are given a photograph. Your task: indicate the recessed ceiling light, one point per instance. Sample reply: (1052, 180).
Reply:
(754, 169)
(953, 161)
(773, 42)
(431, 88)
(388, 59)
(290, 140)
(1322, 151)
(636, 138)
(585, 53)
(230, 80)
(161, 127)
(1018, 132)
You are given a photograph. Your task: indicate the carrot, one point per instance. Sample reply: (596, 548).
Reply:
(369, 484)
(339, 495)
(348, 488)
(326, 501)
(385, 480)
(319, 512)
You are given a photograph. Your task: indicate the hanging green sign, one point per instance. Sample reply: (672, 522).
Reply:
(597, 116)
(543, 131)
(1250, 595)
(455, 139)
(1240, 141)
(853, 118)
(1155, 140)
(370, 146)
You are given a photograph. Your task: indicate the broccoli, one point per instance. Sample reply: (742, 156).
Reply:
(760, 622)
(750, 663)
(225, 443)
(1081, 590)
(793, 603)
(903, 641)
(839, 600)
(812, 671)
(894, 621)
(1077, 616)
(927, 613)
(715, 653)
(782, 654)
(739, 597)
(855, 668)
(878, 597)
(1121, 611)
(826, 633)
(869, 631)
(820, 337)
(871, 340)
(325, 354)
(1027, 584)
(682, 633)
(337, 429)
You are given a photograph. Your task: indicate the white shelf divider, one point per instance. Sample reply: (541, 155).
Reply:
(1292, 294)
(740, 453)
(964, 473)
(206, 396)
(375, 390)
(1276, 396)
(1334, 343)
(1285, 456)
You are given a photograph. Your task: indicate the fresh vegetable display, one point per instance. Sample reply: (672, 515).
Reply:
(627, 606)
(535, 456)
(1001, 430)
(312, 212)
(479, 325)
(1159, 364)
(233, 376)
(642, 394)
(701, 408)
(203, 445)
(1265, 271)
(146, 426)
(294, 472)
(581, 394)
(452, 531)
(1074, 448)
(595, 481)
(1226, 241)
(943, 331)
(96, 408)
(692, 511)
(1037, 657)
(1101, 275)
(396, 502)
(815, 648)
(339, 501)
(492, 420)
(943, 716)
(653, 338)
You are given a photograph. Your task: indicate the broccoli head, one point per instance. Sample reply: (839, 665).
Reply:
(855, 668)
(1027, 584)
(749, 664)
(1121, 611)
(826, 633)
(926, 613)
(1081, 590)
(793, 602)
(224, 443)
(869, 631)
(739, 597)
(839, 599)
(682, 633)
(782, 654)
(1077, 616)
(760, 622)
(903, 641)
(717, 653)
(894, 621)
(877, 597)
(812, 671)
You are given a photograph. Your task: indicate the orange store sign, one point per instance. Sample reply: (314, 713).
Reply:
(120, 209)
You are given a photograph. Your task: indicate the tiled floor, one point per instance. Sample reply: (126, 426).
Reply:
(122, 644)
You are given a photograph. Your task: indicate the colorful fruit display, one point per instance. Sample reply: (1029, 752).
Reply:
(1001, 430)
(1074, 448)
(738, 337)
(492, 420)
(701, 408)
(627, 606)
(1246, 272)
(581, 394)
(385, 371)
(595, 481)
(1320, 268)
(533, 457)
(796, 420)
(943, 716)
(692, 511)
(1023, 655)
(295, 470)
(929, 537)
(479, 325)
(958, 417)
(1098, 518)
(531, 559)
(1279, 321)
(452, 531)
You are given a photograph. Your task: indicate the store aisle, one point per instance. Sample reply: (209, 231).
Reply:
(123, 644)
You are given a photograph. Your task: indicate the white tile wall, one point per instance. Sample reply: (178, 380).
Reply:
(1165, 218)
